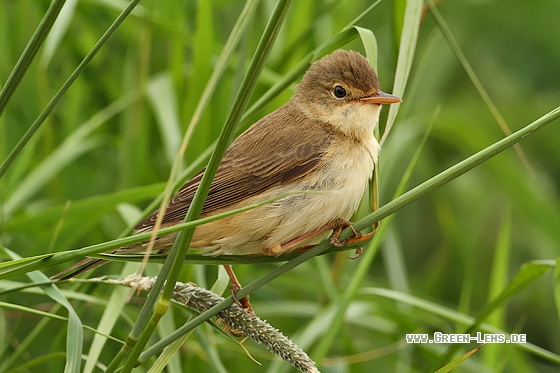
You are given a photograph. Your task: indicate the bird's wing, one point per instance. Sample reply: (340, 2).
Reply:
(272, 152)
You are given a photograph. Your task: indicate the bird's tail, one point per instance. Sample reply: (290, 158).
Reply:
(77, 269)
(161, 246)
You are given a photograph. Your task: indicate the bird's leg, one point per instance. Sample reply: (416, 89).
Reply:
(281, 248)
(235, 287)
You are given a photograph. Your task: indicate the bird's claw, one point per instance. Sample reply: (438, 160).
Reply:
(337, 226)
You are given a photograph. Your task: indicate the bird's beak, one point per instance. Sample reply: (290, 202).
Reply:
(380, 98)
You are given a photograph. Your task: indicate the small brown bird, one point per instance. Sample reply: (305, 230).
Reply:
(322, 140)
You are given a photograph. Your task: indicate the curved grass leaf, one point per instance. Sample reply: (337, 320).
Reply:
(456, 317)
(455, 363)
(75, 337)
(163, 99)
(58, 31)
(528, 273)
(407, 48)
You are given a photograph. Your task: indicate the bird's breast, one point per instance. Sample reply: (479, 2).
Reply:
(345, 172)
(333, 190)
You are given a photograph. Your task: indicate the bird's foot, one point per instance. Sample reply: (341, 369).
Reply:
(234, 289)
(243, 302)
(337, 226)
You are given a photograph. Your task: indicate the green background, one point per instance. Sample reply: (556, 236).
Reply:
(106, 152)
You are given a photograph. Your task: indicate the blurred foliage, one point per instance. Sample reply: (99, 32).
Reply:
(108, 147)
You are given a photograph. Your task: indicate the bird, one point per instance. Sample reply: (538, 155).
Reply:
(315, 154)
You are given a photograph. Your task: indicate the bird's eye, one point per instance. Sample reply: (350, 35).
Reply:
(339, 91)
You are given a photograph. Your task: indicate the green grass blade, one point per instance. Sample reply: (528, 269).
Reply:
(453, 172)
(498, 280)
(168, 360)
(455, 363)
(407, 48)
(528, 273)
(456, 317)
(369, 43)
(75, 145)
(26, 344)
(476, 82)
(65, 87)
(556, 286)
(202, 63)
(164, 101)
(81, 209)
(29, 54)
(64, 155)
(74, 339)
(32, 311)
(58, 31)
(112, 312)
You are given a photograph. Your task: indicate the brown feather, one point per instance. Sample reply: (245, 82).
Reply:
(250, 168)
